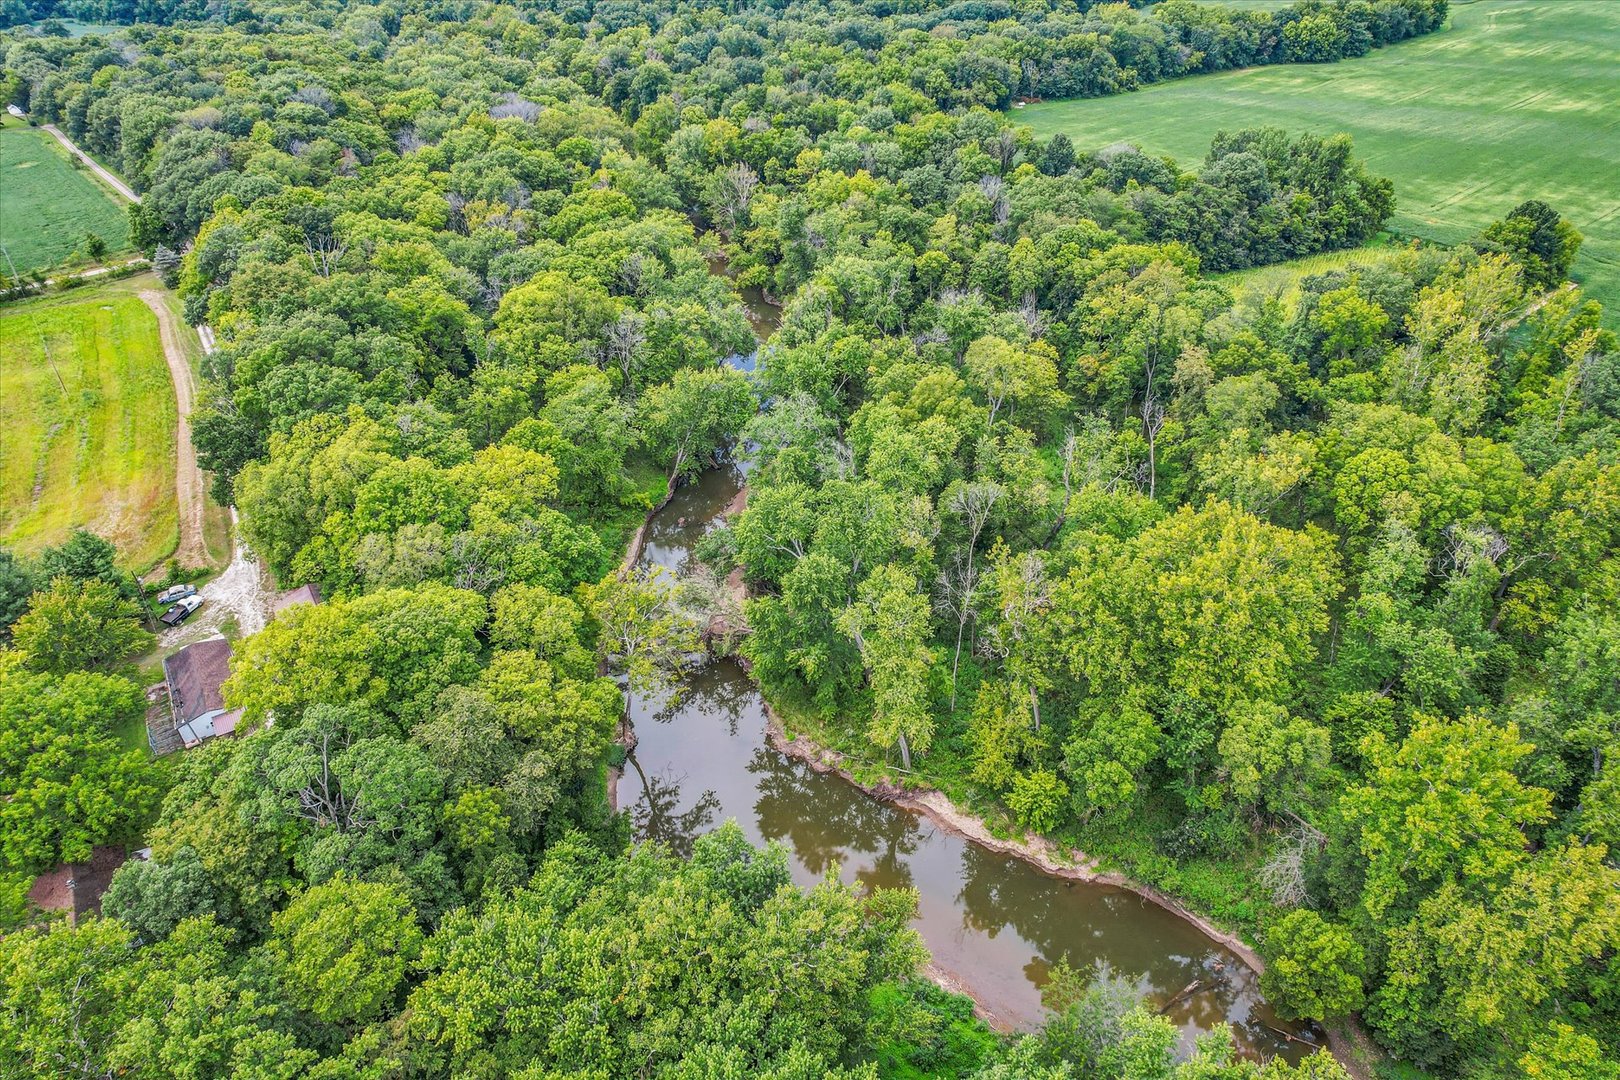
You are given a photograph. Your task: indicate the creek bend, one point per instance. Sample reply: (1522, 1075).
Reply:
(993, 922)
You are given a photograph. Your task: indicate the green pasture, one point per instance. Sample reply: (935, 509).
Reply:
(47, 206)
(1279, 278)
(1516, 99)
(88, 420)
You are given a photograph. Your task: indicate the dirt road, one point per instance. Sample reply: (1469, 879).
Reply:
(112, 181)
(241, 595)
(188, 478)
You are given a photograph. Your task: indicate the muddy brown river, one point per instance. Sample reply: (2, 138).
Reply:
(994, 923)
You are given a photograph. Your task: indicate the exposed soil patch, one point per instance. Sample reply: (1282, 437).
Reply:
(241, 594)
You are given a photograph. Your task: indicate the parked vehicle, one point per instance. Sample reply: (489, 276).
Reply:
(181, 611)
(176, 593)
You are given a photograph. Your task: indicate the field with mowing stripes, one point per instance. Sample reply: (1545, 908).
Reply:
(1513, 101)
(47, 206)
(87, 418)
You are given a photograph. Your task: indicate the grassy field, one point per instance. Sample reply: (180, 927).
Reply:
(1281, 277)
(1513, 101)
(87, 418)
(47, 206)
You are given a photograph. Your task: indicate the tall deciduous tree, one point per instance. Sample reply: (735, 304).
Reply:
(342, 949)
(693, 416)
(66, 781)
(889, 624)
(642, 631)
(78, 625)
(1313, 967)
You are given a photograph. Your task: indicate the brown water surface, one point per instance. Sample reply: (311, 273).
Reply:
(992, 921)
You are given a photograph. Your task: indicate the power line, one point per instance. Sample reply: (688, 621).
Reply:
(43, 344)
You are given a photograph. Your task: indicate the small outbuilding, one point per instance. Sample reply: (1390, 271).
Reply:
(194, 676)
(76, 888)
(304, 594)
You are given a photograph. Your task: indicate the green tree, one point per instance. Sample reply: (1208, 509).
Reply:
(1444, 805)
(889, 624)
(1212, 602)
(17, 584)
(66, 783)
(84, 556)
(78, 625)
(152, 898)
(1013, 378)
(1037, 798)
(1539, 240)
(1271, 758)
(342, 949)
(689, 419)
(621, 964)
(542, 323)
(641, 631)
(394, 650)
(1314, 968)
(1563, 1052)
(63, 991)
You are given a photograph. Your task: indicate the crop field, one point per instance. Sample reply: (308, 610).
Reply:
(88, 420)
(1513, 101)
(47, 206)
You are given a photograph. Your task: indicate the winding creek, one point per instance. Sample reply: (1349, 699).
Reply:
(993, 922)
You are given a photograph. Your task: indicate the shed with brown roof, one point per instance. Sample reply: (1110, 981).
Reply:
(76, 888)
(304, 594)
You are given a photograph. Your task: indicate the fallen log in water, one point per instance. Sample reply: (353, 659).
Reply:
(1194, 987)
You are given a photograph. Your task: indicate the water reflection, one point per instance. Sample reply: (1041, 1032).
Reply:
(658, 816)
(991, 920)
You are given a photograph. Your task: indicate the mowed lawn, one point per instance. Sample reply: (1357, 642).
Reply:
(47, 206)
(1514, 100)
(101, 454)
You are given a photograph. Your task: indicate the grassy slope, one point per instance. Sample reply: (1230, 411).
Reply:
(1513, 101)
(1281, 278)
(102, 455)
(46, 205)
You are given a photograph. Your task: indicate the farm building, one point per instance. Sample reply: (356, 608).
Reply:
(194, 676)
(304, 594)
(76, 888)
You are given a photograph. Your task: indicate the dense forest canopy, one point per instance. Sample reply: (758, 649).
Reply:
(1302, 606)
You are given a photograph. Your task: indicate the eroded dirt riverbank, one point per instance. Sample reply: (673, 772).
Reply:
(995, 913)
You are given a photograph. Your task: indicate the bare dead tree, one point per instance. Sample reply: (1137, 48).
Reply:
(1283, 874)
(322, 800)
(1034, 319)
(1153, 418)
(457, 202)
(734, 193)
(325, 251)
(624, 338)
(512, 105)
